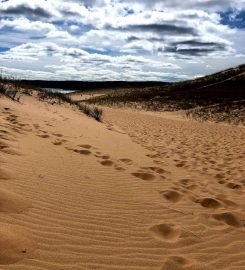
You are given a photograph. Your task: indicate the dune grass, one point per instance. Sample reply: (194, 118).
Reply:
(14, 89)
(56, 97)
(231, 112)
(10, 88)
(219, 97)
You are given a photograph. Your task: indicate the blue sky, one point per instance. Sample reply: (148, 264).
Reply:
(167, 40)
(233, 19)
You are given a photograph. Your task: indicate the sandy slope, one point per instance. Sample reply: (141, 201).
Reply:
(141, 192)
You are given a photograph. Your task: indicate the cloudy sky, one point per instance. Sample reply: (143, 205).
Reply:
(167, 40)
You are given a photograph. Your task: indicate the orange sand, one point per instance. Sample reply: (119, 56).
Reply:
(139, 191)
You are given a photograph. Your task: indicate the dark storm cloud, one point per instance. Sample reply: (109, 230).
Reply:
(151, 39)
(168, 29)
(196, 43)
(132, 38)
(189, 52)
(23, 10)
(193, 48)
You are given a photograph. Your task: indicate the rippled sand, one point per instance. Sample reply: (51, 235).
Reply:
(139, 191)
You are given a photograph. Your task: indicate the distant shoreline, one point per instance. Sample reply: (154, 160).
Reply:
(59, 90)
(82, 85)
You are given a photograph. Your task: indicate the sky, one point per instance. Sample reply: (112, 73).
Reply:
(133, 40)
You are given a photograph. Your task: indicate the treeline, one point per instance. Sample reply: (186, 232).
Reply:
(83, 85)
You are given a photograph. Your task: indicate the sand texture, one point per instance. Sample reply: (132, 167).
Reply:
(138, 191)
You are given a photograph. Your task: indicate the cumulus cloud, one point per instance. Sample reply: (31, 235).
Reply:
(24, 24)
(124, 38)
(213, 5)
(34, 8)
(76, 62)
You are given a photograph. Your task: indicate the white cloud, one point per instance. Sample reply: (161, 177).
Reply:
(212, 5)
(76, 62)
(121, 37)
(24, 24)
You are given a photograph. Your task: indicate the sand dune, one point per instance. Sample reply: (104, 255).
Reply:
(139, 191)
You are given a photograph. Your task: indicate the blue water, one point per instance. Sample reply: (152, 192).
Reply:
(58, 90)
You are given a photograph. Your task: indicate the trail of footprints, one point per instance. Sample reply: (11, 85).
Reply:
(217, 207)
(164, 232)
(217, 210)
(15, 243)
(9, 129)
(184, 189)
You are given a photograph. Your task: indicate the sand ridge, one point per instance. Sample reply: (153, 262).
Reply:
(138, 192)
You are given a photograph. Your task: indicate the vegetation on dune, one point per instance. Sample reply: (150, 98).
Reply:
(233, 113)
(217, 97)
(14, 89)
(10, 88)
(93, 112)
(55, 97)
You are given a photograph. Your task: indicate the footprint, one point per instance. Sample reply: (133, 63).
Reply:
(23, 125)
(219, 176)
(127, 161)
(180, 165)
(158, 162)
(153, 156)
(36, 126)
(57, 143)
(105, 157)
(185, 182)
(120, 168)
(58, 135)
(4, 131)
(44, 136)
(176, 262)
(228, 218)
(82, 152)
(221, 182)
(171, 195)
(12, 119)
(233, 186)
(144, 176)
(3, 145)
(43, 131)
(158, 170)
(86, 146)
(13, 116)
(166, 232)
(107, 163)
(209, 203)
